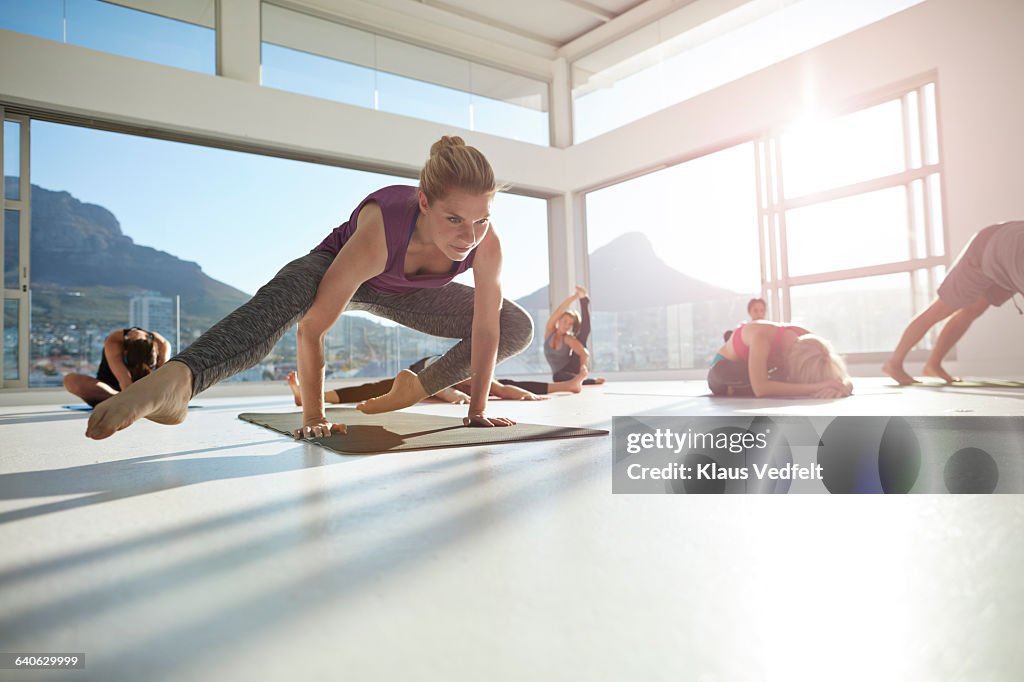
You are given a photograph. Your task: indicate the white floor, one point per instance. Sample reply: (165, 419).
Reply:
(217, 550)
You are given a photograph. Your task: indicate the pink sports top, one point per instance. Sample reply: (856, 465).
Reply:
(400, 209)
(743, 350)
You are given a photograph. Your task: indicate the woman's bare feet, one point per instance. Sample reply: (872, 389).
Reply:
(161, 397)
(896, 371)
(293, 383)
(937, 371)
(574, 385)
(405, 391)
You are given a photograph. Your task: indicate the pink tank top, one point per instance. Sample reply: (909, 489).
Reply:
(743, 350)
(398, 205)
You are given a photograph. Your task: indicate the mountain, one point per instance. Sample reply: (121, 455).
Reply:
(627, 274)
(79, 246)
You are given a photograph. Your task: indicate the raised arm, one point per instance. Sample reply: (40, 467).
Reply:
(486, 328)
(562, 309)
(363, 256)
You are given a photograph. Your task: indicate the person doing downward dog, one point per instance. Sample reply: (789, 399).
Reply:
(395, 257)
(767, 359)
(988, 272)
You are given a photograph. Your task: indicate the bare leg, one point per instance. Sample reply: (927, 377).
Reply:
(954, 330)
(574, 385)
(452, 395)
(90, 389)
(293, 383)
(914, 332)
(161, 397)
(406, 390)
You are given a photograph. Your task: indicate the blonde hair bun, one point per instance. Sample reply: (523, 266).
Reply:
(445, 142)
(454, 165)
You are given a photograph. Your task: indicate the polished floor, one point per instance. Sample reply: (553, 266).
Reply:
(217, 550)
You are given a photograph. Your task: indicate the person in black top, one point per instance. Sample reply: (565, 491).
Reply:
(128, 355)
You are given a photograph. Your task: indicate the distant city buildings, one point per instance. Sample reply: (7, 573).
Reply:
(153, 312)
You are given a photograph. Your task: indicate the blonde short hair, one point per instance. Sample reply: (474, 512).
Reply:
(455, 165)
(813, 359)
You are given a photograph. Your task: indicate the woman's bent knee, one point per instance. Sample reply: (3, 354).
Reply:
(516, 330)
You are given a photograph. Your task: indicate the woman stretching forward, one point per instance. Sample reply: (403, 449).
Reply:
(767, 359)
(395, 257)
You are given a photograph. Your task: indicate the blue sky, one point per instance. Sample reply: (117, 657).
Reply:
(240, 216)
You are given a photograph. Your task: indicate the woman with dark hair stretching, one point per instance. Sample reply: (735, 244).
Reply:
(128, 355)
(458, 394)
(395, 257)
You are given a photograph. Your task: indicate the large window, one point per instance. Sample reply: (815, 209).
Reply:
(688, 53)
(179, 33)
(313, 56)
(837, 220)
(851, 219)
(673, 262)
(130, 230)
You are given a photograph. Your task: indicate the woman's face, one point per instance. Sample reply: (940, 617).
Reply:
(457, 223)
(565, 324)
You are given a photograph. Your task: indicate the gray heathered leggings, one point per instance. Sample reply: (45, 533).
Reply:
(247, 335)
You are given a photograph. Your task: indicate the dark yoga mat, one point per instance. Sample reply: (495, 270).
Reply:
(971, 383)
(394, 431)
(88, 408)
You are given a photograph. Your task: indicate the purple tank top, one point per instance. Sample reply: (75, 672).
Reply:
(400, 209)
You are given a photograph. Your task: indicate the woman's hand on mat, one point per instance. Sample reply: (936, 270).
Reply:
(483, 421)
(829, 390)
(318, 428)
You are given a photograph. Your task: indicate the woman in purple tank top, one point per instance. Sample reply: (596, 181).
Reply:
(395, 257)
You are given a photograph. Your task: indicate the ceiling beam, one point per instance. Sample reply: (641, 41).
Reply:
(591, 9)
(420, 24)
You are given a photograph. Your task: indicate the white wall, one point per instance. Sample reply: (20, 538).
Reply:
(978, 54)
(44, 74)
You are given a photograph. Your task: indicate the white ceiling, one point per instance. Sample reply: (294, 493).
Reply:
(553, 23)
(524, 36)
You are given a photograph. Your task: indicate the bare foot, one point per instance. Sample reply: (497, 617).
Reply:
(574, 385)
(897, 372)
(161, 397)
(406, 390)
(937, 371)
(293, 383)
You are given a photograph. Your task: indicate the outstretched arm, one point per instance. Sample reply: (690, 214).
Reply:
(363, 256)
(486, 329)
(562, 309)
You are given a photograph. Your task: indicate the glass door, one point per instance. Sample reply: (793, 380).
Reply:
(14, 250)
